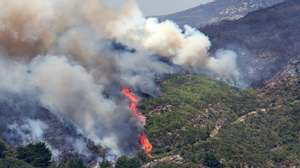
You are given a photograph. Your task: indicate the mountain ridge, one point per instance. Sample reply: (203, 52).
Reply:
(217, 11)
(265, 40)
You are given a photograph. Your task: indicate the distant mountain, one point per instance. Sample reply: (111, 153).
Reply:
(265, 40)
(218, 10)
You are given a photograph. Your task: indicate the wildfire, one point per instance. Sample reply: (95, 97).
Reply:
(147, 146)
(134, 105)
(134, 102)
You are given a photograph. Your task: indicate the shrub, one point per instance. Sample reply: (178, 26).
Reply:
(37, 155)
(72, 163)
(13, 163)
(3, 149)
(105, 164)
(211, 161)
(125, 162)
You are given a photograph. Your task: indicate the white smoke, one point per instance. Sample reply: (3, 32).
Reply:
(67, 89)
(31, 131)
(225, 64)
(186, 47)
(62, 51)
(80, 146)
(56, 154)
(13, 76)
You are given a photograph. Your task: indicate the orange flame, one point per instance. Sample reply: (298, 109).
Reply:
(130, 95)
(147, 146)
(134, 103)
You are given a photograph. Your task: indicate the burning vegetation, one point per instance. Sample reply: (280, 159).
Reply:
(60, 52)
(62, 63)
(134, 103)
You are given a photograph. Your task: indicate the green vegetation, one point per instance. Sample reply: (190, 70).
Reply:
(210, 160)
(33, 156)
(201, 122)
(125, 162)
(168, 165)
(210, 123)
(71, 162)
(37, 155)
(3, 149)
(13, 163)
(189, 109)
(105, 164)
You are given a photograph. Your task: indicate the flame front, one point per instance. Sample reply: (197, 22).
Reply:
(134, 102)
(134, 105)
(147, 146)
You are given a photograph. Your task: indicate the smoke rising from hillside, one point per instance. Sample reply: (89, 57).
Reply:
(61, 50)
(31, 131)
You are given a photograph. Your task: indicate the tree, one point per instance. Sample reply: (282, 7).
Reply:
(38, 155)
(125, 162)
(105, 164)
(71, 161)
(75, 162)
(211, 161)
(13, 163)
(3, 149)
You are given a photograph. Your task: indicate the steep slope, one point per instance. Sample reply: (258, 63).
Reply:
(218, 10)
(24, 121)
(194, 123)
(202, 121)
(265, 40)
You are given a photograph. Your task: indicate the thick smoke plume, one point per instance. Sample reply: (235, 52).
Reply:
(64, 51)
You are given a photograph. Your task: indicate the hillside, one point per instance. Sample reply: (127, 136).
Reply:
(202, 121)
(265, 40)
(34, 156)
(195, 121)
(24, 121)
(217, 11)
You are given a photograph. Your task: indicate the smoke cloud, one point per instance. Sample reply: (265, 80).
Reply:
(62, 50)
(31, 131)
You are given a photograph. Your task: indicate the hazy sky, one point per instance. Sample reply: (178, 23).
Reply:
(161, 7)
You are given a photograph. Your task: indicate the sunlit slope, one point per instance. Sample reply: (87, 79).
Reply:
(208, 122)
